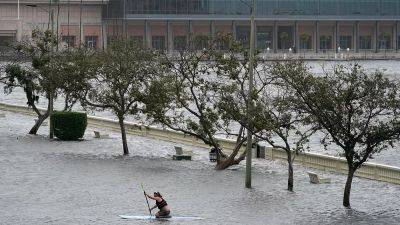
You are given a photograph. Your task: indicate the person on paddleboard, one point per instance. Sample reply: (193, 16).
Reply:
(161, 204)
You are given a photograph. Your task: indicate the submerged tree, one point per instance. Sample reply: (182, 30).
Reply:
(280, 124)
(120, 79)
(37, 78)
(358, 111)
(274, 119)
(75, 68)
(189, 104)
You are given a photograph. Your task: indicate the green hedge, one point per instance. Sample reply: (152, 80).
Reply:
(69, 126)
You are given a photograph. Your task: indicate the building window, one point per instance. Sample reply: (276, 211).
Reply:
(243, 35)
(201, 42)
(91, 41)
(158, 42)
(182, 7)
(305, 42)
(69, 40)
(138, 40)
(6, 41)
(345, 42)
(398, 42)
(285, 37)
(325, 42)
(180, 42)
(385, 41)
(365, 42)
(264, 37)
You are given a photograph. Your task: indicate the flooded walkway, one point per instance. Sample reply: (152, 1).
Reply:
(88, 182)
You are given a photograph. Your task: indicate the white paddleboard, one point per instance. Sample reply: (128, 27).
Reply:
(177, 218)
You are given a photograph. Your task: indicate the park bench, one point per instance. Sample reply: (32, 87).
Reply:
(97, 134)
(315, 179)
(179, 154)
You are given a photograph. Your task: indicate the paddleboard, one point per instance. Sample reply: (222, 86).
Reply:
(173, 218)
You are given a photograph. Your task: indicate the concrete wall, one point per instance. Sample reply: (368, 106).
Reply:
(317, 161)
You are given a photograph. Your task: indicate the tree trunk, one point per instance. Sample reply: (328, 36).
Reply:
(38, 123)
(290, 171)
(50, 110)
(231, 160)
(123, 135)
(223, 164)
(347, 189)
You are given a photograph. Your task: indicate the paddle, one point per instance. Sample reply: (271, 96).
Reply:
(148, 205)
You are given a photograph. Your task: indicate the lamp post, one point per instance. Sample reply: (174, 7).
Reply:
(49, 11)
(18, 10)
(80, 24)
(249, 100)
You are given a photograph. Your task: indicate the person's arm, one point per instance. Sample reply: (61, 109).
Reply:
(154, 198)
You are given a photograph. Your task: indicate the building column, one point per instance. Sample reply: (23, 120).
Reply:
(190, 38)
(170, 39)
(124, 28)
(255, 36)
(19, 31)
(212, 29)
(104, 35)
(394, 35)
(356, 31)
(233, 29)
(81, 34)
(397, 35)
(147, 35)
(376, 34)
(316, 36)
(296, 38)
(336, 34)
(275, 37)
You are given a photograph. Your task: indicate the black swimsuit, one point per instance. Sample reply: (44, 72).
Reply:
(161, 204)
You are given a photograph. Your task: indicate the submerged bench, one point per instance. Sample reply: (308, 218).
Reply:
(97, 134)
(315, 179)
(179, 154)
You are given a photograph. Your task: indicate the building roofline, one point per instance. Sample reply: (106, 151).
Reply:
(61, 1)
(268, 18)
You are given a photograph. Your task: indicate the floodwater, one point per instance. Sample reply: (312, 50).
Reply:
(88, 182)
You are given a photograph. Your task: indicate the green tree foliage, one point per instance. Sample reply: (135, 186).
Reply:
(191, 104)
(279, 123)
(119, 80)
(37, 78)
(74, 67)
(358, 111)
(273, 120)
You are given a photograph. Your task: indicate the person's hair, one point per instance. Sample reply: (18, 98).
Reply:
(157, 194)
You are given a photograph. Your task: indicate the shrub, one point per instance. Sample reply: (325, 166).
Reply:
(69, 126)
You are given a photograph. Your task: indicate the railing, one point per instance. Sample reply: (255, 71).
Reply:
(371, 171)
(317, 161)
(332, 55)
